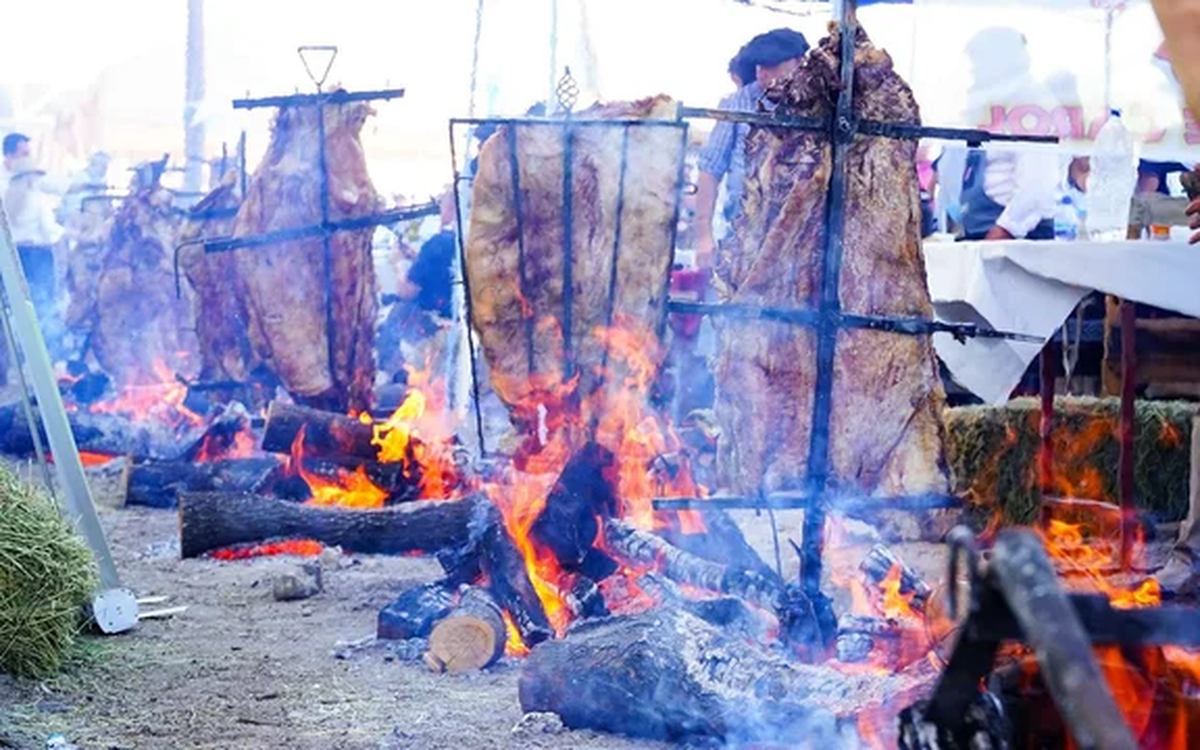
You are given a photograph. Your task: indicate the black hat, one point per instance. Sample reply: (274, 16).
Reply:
(776, 46)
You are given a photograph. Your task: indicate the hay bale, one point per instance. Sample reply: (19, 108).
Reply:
(47, 575)
(993, 454)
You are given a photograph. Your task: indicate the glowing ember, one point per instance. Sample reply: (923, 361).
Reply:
(88, 458)
(514, 646)
(301, 547)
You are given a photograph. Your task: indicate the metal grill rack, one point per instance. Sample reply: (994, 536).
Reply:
(325, 228)
(569, 125)
(826, 319)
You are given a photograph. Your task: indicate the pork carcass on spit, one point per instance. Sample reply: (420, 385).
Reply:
(286, 285)
(220, 307)
(140, 328)
(515, 253)
(886, 432)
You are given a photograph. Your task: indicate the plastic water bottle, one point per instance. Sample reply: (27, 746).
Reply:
(1066, 220)
(1112, 181)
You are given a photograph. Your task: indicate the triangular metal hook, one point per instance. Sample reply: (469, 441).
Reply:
(304, 52)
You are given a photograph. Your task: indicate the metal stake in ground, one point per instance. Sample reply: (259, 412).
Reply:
(114, 607)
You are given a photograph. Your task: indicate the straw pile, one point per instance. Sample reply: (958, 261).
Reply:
(993, 454)
(46, 576)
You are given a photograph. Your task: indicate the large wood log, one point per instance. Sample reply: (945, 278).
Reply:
(683, 567)
(668, 675)
(112, 434)
(157, 484)
(325, 433)
(214, 520)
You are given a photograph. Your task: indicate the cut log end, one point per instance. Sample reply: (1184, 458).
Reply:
(471, 637)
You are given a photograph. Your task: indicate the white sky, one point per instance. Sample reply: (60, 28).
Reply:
(134, 51)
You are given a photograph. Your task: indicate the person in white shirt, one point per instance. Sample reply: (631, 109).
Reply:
(16, 148)
(35, 232)
(1006, 193)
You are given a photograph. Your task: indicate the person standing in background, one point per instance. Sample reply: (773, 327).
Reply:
(16, 148)
(35, 232)
(774, 56)
(1006, 194)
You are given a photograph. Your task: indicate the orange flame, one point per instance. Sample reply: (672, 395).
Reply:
(159, 399)
(420, 435)
(514, 646)
(558, 421)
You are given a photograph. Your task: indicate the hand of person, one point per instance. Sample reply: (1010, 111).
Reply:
(1193, 210)
(998, 233)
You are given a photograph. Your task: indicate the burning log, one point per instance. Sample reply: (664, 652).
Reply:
(414, 612)
(325, 433)
(509, 582)
(668, 675)
(470, 636)
(722, 541)
(213, 520)
(157, 484)
(112, 434)
(684, 567)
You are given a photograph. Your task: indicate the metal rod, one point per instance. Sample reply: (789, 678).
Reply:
(627, 122)
(35, 434)
(326, 247)
(801, 500)
(1046, 430)
(242, 177)
(226, 244)
(312, 100)
(900, 131)
(568, 292)
(673, 231)
(1127, 458)
(811, 319)
(526, 304)
(80, 509)
(1024, 574)
(613, 276)
(813, 530)
(477, 407)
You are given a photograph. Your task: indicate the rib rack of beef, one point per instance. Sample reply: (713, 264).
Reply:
(615, 189)
(886, 429)
(327, 363)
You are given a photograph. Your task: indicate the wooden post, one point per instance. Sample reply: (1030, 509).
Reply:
(1046, 448)
(194, 95)
(1128, 395)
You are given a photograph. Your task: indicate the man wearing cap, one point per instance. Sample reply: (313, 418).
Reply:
(774, 55)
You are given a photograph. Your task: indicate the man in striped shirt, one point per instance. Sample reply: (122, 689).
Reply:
(774, 56)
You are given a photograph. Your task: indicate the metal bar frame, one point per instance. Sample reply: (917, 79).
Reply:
(325, 228)
(827, 318)
(568, 125)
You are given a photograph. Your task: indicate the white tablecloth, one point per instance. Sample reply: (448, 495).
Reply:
(1032, 287)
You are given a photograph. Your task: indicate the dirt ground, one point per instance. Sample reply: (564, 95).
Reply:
(240, 670)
